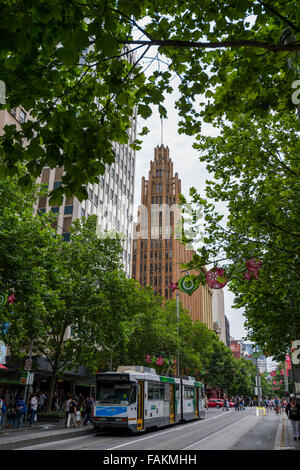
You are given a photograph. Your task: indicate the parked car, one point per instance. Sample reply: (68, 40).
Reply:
(215, 403)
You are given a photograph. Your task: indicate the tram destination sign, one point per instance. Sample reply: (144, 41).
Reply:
(104, 377)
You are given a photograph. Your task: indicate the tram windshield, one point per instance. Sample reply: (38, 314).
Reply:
(122, 394)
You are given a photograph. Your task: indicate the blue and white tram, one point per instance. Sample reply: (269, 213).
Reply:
(136, 398)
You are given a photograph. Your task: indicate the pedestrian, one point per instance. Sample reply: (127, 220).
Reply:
(225, 404)
(42, 398)
(55, 405)
(10, 415)
(293, 412)
(277, 405)
(72, 413)
(66, 409)
(33, 407)
(20, 411)
(205, 402)
(88, 410)
(242, 405)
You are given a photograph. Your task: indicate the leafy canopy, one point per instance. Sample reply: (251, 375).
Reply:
(65, 63)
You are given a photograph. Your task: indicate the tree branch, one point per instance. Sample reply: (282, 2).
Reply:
(214, 45)
(276, 13)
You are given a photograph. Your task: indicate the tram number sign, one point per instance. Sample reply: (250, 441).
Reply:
(28, 364)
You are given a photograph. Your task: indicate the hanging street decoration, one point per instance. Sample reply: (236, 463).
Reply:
(253, 266)
(174, 286)
(215, 278)
(11, 298)
(160, 361)
(187, 285)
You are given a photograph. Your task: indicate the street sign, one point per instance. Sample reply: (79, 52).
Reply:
(27, 378)
(28, 364)
(23, 379)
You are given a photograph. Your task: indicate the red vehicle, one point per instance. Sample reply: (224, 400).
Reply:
(215, 403)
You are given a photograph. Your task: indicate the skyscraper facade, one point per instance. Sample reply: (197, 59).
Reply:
(158, 251)
(111, 199)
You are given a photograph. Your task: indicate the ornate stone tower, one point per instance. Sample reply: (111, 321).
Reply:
(157, 248)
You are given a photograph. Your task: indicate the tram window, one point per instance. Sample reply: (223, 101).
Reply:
(166, 392)
(150, 391)
(156, 392)
(188, 393)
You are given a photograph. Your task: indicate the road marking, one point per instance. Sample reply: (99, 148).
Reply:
(282, 432)
(220, 431)
(166, 432)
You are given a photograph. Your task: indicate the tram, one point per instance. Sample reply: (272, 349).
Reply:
(136, 398)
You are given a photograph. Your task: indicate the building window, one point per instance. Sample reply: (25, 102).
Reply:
(56, 184)
(66, 237)
(68, 210)
(96, 200)
(22, 117)
(82, 212)
(42, 211)
(55, 210)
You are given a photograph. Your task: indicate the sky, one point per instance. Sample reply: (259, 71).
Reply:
(190, 170)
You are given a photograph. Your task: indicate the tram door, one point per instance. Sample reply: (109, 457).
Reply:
(140, 413)
(172, 403)
(197, 401)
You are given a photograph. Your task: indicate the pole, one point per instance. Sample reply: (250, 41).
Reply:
(26, 387)
(258, 379)
(177, 307)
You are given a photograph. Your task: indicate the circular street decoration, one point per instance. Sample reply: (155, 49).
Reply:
(187, 285)
(3, 298)
(215, 278)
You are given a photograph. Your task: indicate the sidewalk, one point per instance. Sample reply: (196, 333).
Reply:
(39, 433)
(284, 439)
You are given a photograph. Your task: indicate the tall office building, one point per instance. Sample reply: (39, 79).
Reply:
(157, 252)
(111, 199)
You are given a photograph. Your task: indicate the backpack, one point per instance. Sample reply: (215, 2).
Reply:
(72, 407)
(4, 407)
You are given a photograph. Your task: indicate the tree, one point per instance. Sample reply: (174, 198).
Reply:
(66, 64)
(256, 170)
(71, 299)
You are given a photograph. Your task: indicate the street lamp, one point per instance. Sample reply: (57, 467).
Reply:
(177, 308)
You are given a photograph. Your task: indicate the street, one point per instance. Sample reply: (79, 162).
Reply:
(220, 430)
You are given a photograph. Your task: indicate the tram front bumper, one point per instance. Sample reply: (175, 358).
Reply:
(109, 422)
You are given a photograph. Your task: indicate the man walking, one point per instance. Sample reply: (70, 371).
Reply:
(72, 413)
(34, 406)
(88, 410)
(66, 409)
(293, 412)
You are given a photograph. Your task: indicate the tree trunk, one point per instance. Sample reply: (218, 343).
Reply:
(51, 387)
